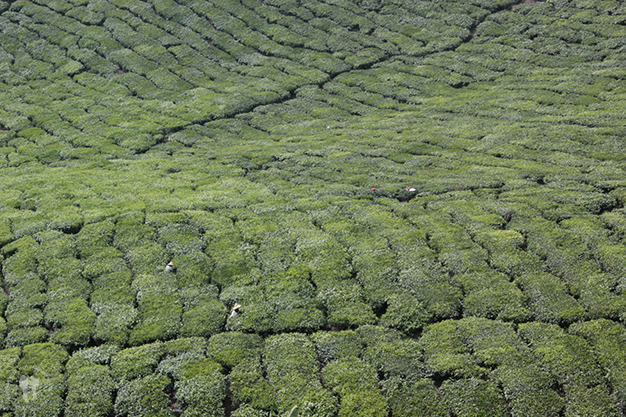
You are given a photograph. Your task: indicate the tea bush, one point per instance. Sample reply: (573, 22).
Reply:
(136, 362)
(159, 319)
(72, 321)
(187, 365)
(8, 396)
(365, 403)
(332, 346)
(90, 391)
(598, 298)
(440, 299)
(42, 363)
(445, 352)
(144, 396)
(419, 396)
(605, 336)
(345, 304)
(538, 334)
(494, 343)
(248, 411)
(249, 385)
(44, 399)
(9, 359)
(491, 295)
(94, 237)
(528, 390)
(203, 314)
(291, 362)
(349, 375)
(474, 397)
(549, 299)
(401, 359)
(202, 395)
(230, 348)
(574, 367)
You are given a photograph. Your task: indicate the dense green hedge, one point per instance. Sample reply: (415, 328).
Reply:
(572, 361)
(291, 364)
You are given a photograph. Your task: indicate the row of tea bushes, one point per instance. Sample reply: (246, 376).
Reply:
(466, 367)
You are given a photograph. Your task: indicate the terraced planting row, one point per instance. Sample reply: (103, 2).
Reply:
(418, 205)
(485, 366)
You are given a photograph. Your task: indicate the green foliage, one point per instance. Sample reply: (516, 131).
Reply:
(42, 360)
(363, 403)
(332, 346)
(160, 309)
(147, 258)
(528, 390)
(346, 305)
(417, 191)
(356, 383)
(90, 392)
(280, 302)
(9, 393)
(203, 314)
(349, 375)
(606, 337)
(72, 320)
(144, 396)
(42, 397)
(114, 321)
(90, 357)
(492, 296)
(230, 348)
(202, 395)
(6, 235)
(8, 360)
(593, 401)
(136, 362)
(249, 385)
(440, 299)
(474, 397)
(419, 397)
(516, 262)
(405, 313)
(192, 268)
(93, 237)
(248, 411)
(26, 336)
(568, 357)
(42, 382)
(291, 364)
(397, 358)
(446, 353)
(549, 299)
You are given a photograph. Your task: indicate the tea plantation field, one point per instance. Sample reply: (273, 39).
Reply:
(418, 204)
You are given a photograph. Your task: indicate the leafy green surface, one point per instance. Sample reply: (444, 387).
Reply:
(419, 206)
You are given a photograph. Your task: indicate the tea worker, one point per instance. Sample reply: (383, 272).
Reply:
(235, 311)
